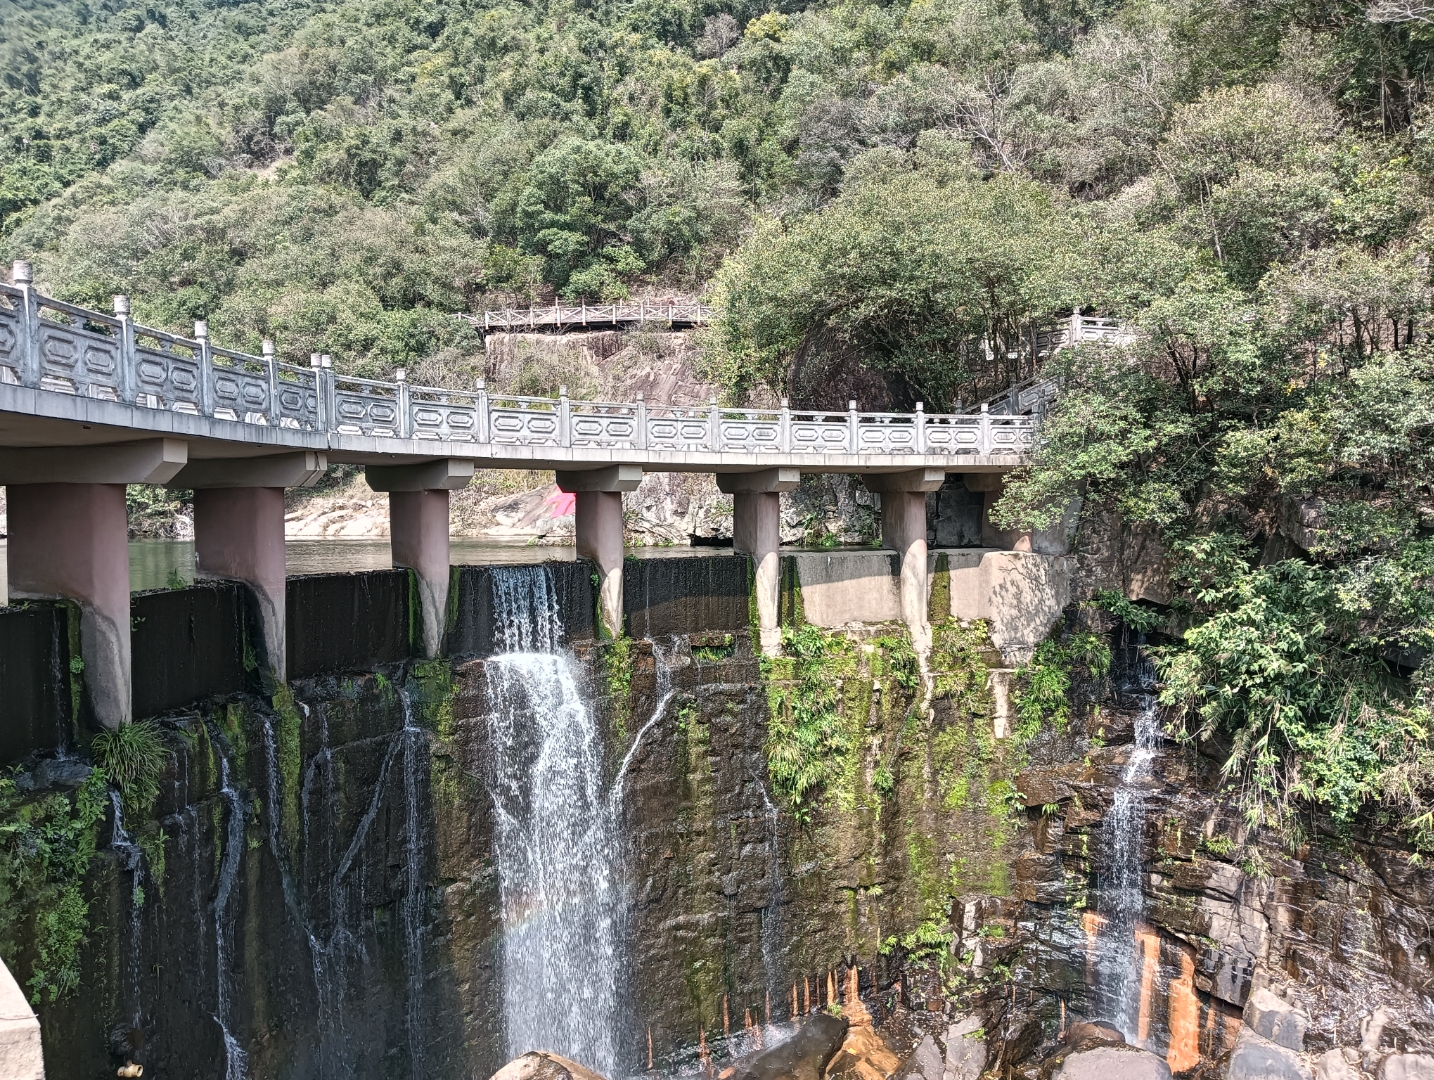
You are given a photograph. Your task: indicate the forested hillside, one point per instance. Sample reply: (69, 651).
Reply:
(884, 200)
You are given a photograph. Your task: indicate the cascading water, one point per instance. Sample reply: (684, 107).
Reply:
(1121, 897)
(415, 758)
(556, 842)
(130, 857)
(234, 1057)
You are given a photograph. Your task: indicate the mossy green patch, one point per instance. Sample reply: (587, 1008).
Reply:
(288, 739)
(47, 843)
(615, 667)
(939, 607)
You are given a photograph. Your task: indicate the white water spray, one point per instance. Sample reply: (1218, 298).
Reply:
(557, 844)
(1121, 901)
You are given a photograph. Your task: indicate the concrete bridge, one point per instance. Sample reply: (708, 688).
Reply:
(91, 401)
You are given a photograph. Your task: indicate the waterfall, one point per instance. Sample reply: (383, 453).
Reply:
(415, 758)
(556, 843)
(1121, 898)
(130, 856)
(234, 1057)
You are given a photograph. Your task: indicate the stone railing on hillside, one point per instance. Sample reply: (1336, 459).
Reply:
(65, 349)
(677, 312)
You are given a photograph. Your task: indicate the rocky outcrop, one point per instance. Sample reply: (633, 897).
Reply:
(1112, 1063)
(544, 1065)
(802, 1057)
(1257, 1058)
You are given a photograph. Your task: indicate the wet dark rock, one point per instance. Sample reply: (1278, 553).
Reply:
(544, 1065)
(52, 773)
(802, 1057)
(965, 1049)
(1257, 1058)
(1112, 1063)
(1088, 1034)
(923, 1063)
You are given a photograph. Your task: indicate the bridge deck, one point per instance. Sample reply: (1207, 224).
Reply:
(71, 376)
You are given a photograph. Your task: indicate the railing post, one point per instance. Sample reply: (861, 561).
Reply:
(400, 376)
(24, 278)
(585, 312)
(316, 366)
(483, 429)
(921, 427)
(784, 436)
(714, 424)
(853, 433)
(206, 369)
(331, 420)
(985, 429)
(641, 421)
(271, 374)
(125, 374)
(565, 418)
(1074, 335)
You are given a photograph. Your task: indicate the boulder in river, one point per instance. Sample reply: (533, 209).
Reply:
(1112, 1063)
(802, 1057)
(544, 1065)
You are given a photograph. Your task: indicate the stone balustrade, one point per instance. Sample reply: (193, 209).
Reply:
(59, 347)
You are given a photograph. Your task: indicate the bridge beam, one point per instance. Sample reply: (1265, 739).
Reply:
(757, 531)
(903, 529)
(418, 532)
(597, 521)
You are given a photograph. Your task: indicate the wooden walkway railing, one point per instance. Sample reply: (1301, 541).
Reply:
(676, 312)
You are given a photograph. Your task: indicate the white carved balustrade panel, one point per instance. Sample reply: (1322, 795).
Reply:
(365, 407)
(524, 421)
(74, 358)
(241, 388)
(167, 373)
(603, 424)
(443, 415)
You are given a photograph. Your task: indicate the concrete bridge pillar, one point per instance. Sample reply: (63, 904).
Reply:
(756, 531)
(903, 529)
(597, 519)
(418, 531)
(239, 531)
(68, 541)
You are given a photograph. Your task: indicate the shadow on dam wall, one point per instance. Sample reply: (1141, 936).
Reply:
(204, 641)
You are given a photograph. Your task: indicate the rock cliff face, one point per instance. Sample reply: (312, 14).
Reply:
(315, 892)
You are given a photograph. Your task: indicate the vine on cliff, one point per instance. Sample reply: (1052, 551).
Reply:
(46, 845)
(807, 738)
(1041, 689)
